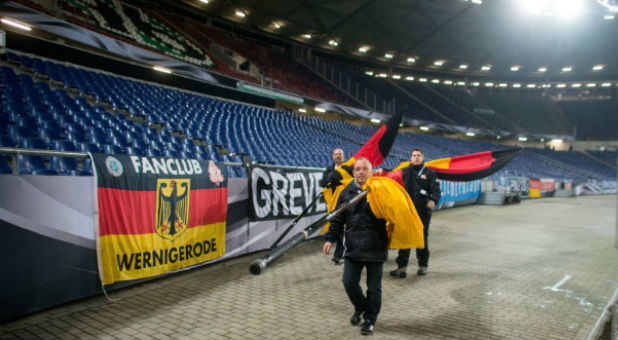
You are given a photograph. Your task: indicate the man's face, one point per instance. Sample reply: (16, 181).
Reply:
(338, 156)
(362, 171)
(417, 157)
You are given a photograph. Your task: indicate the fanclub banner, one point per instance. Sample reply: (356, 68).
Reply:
(281, 193)
(157, 214)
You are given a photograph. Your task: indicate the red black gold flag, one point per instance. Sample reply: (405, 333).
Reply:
(464, 168)
(157, 215)
(376, 149)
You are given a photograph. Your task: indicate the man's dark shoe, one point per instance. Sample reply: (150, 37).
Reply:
(356, 318)
(421, 271)
(367, 328)
(337, 260)
(400, 272)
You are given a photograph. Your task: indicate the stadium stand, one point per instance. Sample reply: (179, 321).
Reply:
(134, 25)
(87, 115)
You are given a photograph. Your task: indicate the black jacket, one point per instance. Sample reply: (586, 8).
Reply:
(421, 187)
(324, 180)
(364, 235)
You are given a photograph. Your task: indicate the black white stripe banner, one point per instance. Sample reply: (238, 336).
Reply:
(277, 193)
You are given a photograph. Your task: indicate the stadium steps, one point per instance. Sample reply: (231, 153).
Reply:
(360, 102)
(418, 100)
(595, 158)
(463, 109)
(566, 167)
(558, 116)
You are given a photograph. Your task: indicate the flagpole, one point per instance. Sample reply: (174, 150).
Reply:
(258, 265)
(293, 223)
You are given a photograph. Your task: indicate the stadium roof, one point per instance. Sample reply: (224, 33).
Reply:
(511, 37)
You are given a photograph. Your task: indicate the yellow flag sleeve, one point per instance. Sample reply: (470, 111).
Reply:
(331, 197)
(389, 201)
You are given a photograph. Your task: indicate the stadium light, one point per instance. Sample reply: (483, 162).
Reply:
(531, 86)
(319, 109)
(204, 1)
(422, 80)
(478, 2)
(476, 84)
(240, 14)
(503, 85)
(542, 69)
(411, 60)
(438, 62)
(382, 75)
(375, 120)
(435, 81)
(424, 128)
(567, 69)
(388, 56)
(448, 82)
(470, 134)
(363, 49)
(498, 137)
(486, 67)
(333, 42)
(307, 36)
(489, 84)
(606, 84)
(515, 68)
(576, 85)
(557, 140)
(517, 85)
(409, 78)
(16, 24)
(591, 85)
(162, 69)
(302, 109)
(463, 66)
(461, 83)
(396, 76)
(609, 17)
(522, 139)
(561, 86)
(369, 73)
(598, 67)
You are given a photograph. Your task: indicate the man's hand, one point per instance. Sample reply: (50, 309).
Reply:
(430, 204)
(326, 247)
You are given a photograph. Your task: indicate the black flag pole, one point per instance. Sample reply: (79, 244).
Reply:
(258, 265)
(296, 219)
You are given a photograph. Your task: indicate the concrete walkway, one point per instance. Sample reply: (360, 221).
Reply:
(543, 269)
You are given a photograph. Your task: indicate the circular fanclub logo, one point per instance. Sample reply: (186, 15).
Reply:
(113, 166)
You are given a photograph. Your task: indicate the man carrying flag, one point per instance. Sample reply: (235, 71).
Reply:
(422, 185)
(382, 220)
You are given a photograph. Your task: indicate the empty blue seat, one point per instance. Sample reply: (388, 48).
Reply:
(7, 141)
(32, 143)
(65, 166)
(5, 168)
(90, 147)
(64, 145)
(34, 165)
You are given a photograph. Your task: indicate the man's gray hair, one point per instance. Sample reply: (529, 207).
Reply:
(365, 159)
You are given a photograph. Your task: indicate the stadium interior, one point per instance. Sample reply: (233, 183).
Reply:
(464, 87)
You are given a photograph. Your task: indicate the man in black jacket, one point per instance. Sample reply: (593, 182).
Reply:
(338, 157)
(422, 185)
(365, 241)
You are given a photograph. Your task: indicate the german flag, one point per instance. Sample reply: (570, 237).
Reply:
(157, 215)
(376, 149)
(464, 168)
